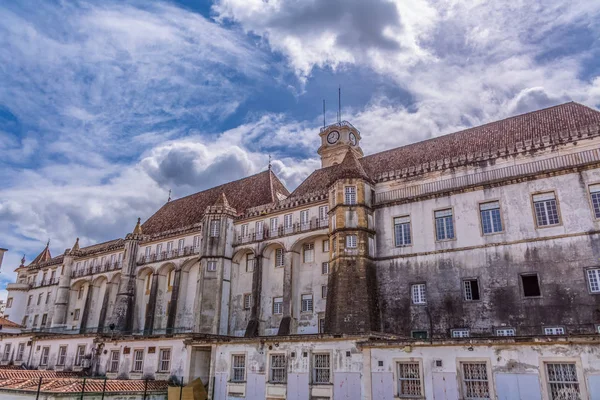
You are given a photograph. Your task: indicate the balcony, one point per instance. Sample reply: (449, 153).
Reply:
(45, 282)
(311, 225)
(18, 286)
(96, 269)
(169, 255)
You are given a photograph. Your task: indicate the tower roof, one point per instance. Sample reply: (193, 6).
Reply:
(43, 256)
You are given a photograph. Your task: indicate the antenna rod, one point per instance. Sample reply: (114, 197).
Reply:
(340, 104)
(324, 113)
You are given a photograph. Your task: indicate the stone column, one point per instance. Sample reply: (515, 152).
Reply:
(104, 307)
(150, 310)
(123, 310)
(86, 308)
(286, 321)
(173, 306)
(63, 294)
(252, 330)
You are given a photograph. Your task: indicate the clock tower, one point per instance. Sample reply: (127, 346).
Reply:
(336, 140)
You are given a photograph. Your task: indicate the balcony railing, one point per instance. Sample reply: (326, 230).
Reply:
(96, 269)
(45, 282)
(313, 224)
(168, 255)
(18, 286)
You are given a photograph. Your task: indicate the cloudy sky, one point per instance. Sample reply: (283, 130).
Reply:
(107, 105)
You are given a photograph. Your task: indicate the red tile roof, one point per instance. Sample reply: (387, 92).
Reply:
(5, 323)
(255, 190)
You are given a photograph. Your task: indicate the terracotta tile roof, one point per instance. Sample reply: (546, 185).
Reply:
(255, 190)
(114, 244)
(43, 256)
(5, 323)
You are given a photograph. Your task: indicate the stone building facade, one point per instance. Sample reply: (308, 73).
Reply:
(465, 266)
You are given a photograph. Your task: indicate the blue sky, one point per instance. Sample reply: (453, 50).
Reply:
(107, 105)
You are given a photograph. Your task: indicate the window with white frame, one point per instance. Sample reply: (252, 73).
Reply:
(350, 195)
(325, 268)
(147, 252)
(180, 245)
(409, 379)
(138, 360)
(238, 368)
(20, 351)
(159, 249)
(164, 360)
(62, 356)
(563, 382)
(307, 303)
(250, 262)
(245, 230)
(279, 257)
(554, 330)
(471, 289)
(79, 355)
(215, 228)
(419, 293)
(321, 368)
(593, 276)
(258, 229)
(114, 361)
(333, 223)
(323, 291)
(304, 218)
(490, 217)
(287, 221)
(444, 224)
(308, 252)
(325, 245)
(505, 332)
(44, 357)
(169, 247)
(323, 213)
(546, 209)
(595, 197)
(475, 380)
(6, 354)
(402, 231)
(247, 301)
(278, 373)
(460, 333)
(273, 223)
(277, 305)
(211, 266)
(197, 241)
(112, 259)
(351, 241)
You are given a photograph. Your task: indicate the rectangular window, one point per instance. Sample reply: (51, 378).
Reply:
(147, 252)
(419, 335)
(460, 333)
(350, 195)
(29, 300)
(595, 196)
(215, 228)
(325, 268)
(409, 380)
(112, 259)
(321, 368)
(211, 266)
(80, 292)
(321, 325)
(471, 289)
(333, 223)
(308, 252)
(35, 321)
(249, 262)
(351, 241)
(39, 300)
(278, 368)
(304, 218)
(245, 230)
(159, 249)
(45, 354)
(169, 247)
(505, 332)
(546, 209)
(6, 354)
(274, 223)
(307, 303)
(278, 305)
(79, 355)
(20, 351)
(279, 260)
(196, 241)
(247, 301)
(25, 318)
(419, 294)
(287, 221)
(180, 245)
(490, 217)
(238, 368)
(593, 280)
(258, 229)
(164, 360)
(62, 356)
(114, 361)
(444, 225)
(48, 297)
(326, 246)
(76, 314)
(402, 231)
(323, 213)
(53, 275)
(531, 285)
(324, 291)
(554, 330)
(44, 320)
(9, 302)
(563, 383)
(138, 360)
(475, 381)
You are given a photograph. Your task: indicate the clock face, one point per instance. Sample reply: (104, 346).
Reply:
(333, 137)
(352, 139)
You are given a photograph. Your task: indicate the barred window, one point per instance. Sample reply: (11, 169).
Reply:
(476, 385)
(247, 301)
(164, 360)
(554, 330)
(444, 225)
(307, 303)
(211, 266)
(321, 368)
(308, 252)
(278, 305)
(402, 231)
(563, 383)
(279, 257)
(278, 368)
(351, 241)
(238, 368)
(114, 361)
(138, 360)
(20, 351)
(460, 333)
(62, 355)
(490, 217)
(594, 280)
(546, 209)
(418, 293)
(325, 268)
(215, 228)
(505, 332)
(409, 380)
(44, 358)
(6, 354)
(595, 195)
(350, 195)
(471, 289)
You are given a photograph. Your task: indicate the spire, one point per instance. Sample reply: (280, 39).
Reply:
(75, 246)
(43, 256)
(22, 261)
(350, 167)
(222, 200)
(138, 228)
(169, 199)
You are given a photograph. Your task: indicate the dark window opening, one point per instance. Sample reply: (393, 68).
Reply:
(531, 286)
(471, 287)
(419, 334)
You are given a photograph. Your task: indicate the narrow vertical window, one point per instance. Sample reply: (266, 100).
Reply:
(419, 294)
(350, 195)
(62, 356)
(409, 380)
(444, 225)
(321, 368)
(308, 252)
(6, 354)
(287, 222)
(278, 368)
(138, 360)
(76, 314)
(279, 257)
(215, 228)
(238, 368)
(247, 301)
(402, 231)
(326, 246)
(169, 248)
(323, 213)
(278, 305)
(307, 303)
(274, 223)
(45, 354)
(180, 245)
(321, 325)
(79, 355)
(147, 252)
(258, 230)
(325, 268)
(250, 262)
(324, 291)
(475, 381)
(245, 230)
(114, 361)
(196, 242)
(304, 219)
(20, 351)
(164, 362)
(595, 196)
(563, 382)
(490, 217)
(546, 209)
